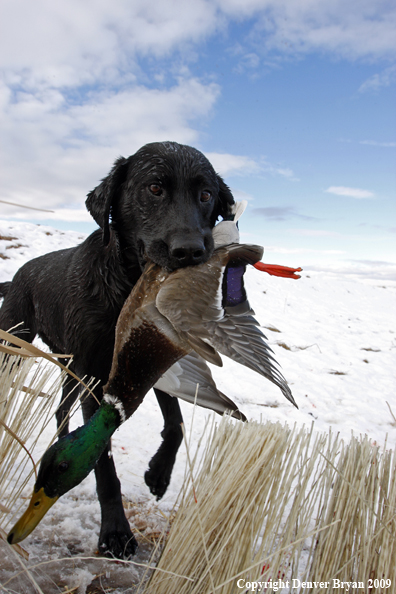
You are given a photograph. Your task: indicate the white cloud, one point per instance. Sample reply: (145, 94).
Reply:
(350, 192)
(72, 43)
(75, 93)
(240, 195)
(286, 172)
(58, 151)
(276, 170)
(379, 80)
(376, 143)
(227, 164)
(349, 28)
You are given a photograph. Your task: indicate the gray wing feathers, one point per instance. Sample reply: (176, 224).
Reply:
(239, 338)
(181, 381)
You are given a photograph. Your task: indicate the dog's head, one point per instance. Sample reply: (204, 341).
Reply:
(163, 202)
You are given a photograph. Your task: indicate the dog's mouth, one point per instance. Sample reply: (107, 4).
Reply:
(159, 253)
(142, 254)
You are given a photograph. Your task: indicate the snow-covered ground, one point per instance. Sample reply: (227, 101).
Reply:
(335, 338)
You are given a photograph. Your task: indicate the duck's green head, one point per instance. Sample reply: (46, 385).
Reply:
(64, 465)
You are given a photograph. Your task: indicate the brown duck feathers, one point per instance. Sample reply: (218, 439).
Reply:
(174, 321)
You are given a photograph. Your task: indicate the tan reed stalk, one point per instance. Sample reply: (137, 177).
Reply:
(245, 469)
(270, 502)
(362, 546)
(29, 386)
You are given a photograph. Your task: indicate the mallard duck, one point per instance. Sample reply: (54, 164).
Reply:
(168, 316)
(182, 378)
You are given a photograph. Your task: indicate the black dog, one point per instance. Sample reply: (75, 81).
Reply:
(162, 202)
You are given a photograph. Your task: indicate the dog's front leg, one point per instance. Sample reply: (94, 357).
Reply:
(70, 392)
(158, 476)
(115, 538)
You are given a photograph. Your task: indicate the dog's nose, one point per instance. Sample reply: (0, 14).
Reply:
(188, 253)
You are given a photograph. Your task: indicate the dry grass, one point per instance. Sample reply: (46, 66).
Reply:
(270, 502)
(29, 384)
(266, 501)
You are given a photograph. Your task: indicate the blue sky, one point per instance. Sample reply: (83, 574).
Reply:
(292, 101)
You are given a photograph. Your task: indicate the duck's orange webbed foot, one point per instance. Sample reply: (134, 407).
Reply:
(277, 270)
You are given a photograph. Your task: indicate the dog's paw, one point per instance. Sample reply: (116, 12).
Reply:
(157, 479)
(159, 472)
(119, 544)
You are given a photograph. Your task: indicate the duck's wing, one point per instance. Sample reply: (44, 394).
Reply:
(181, 380)
(238, 336)
(217, 312)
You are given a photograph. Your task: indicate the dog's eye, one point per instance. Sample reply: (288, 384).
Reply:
(206, 196)
(155, 189)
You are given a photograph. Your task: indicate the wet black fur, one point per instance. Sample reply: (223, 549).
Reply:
(72, 298)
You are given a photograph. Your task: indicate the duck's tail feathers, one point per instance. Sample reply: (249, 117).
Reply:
(239, 254)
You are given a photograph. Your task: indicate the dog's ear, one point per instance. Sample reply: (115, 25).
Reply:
(99, 201)
(226, 200)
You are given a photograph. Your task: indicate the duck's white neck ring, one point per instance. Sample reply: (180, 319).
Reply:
(116, 402)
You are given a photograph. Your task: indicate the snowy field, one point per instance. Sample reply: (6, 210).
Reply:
(334, 336)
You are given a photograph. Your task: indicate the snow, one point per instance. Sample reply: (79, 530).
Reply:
(334, 336)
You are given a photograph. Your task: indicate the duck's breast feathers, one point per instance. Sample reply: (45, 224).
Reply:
(138, 302)
(194, 295)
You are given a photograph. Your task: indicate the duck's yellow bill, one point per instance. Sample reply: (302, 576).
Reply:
(38, 507)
